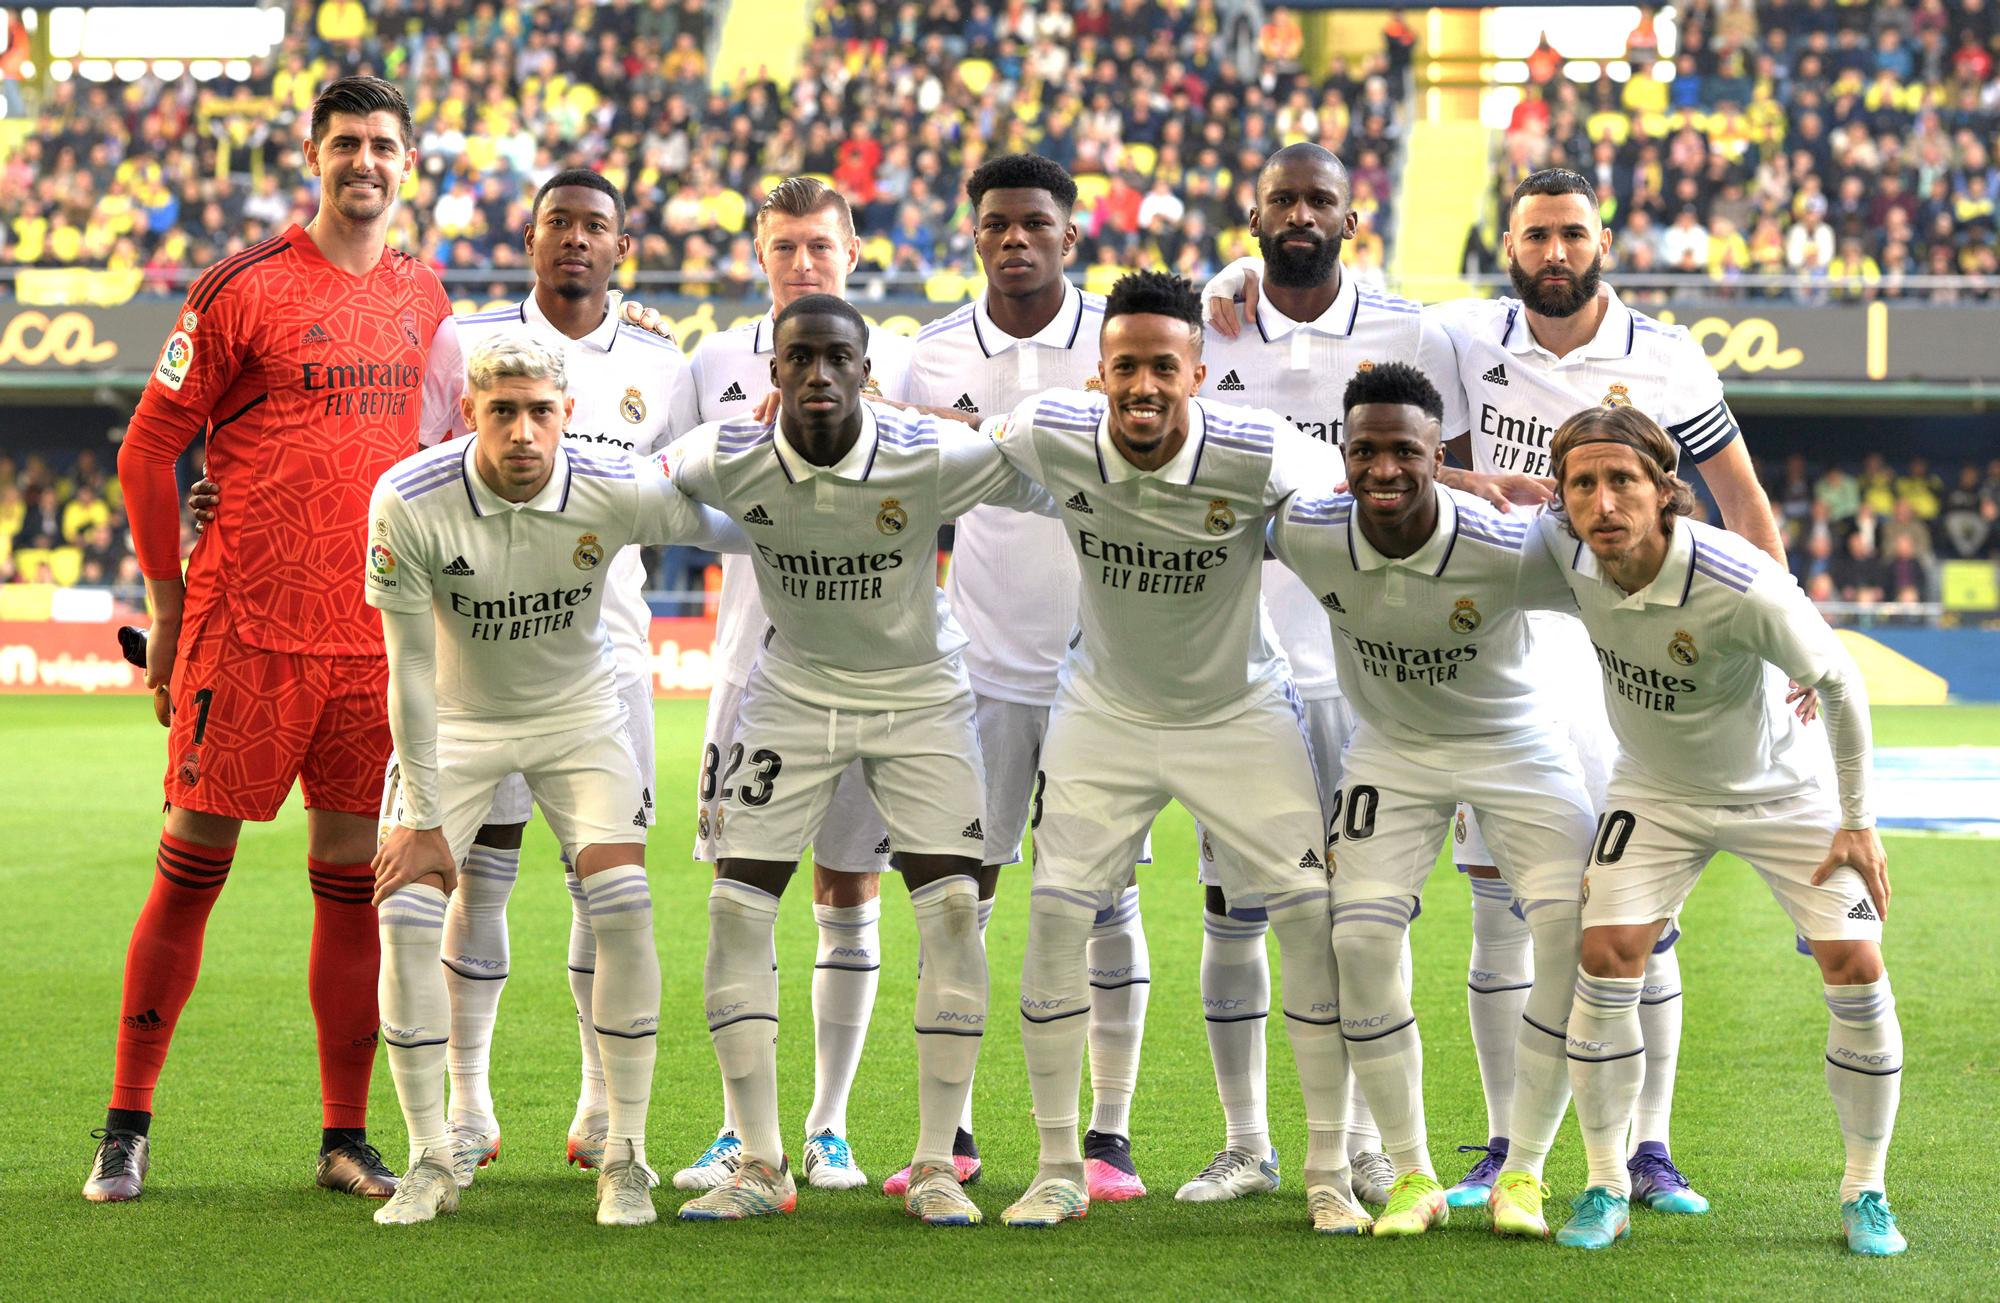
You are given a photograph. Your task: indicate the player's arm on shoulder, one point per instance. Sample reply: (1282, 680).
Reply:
(1014, 435)
(972, 472)
(683, 405)
(1239, 282)
(1541, 580)
(1300, 463)
(1746, 509)
(664, 512)
(444, 384)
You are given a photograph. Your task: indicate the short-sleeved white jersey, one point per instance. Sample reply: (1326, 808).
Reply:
(1013, 580)
(518, 588)
(845, 556)
(1435, 644)
(1171, 628)
(732, 374)
(1516, 394)
(1300, 369)
(1695, 665)
(633, 391)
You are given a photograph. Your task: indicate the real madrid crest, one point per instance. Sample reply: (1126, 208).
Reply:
(701, 824)
(632, 407)
(1458, 828)
(189, 772)
(1586, 889)
(1464, 616)
(871, 388)
(189, 321)
(1093, 385)
(589, 552)
(1364, 366)
(1617, 397)
(892, 519)
(1220, 519)
(1682, 648)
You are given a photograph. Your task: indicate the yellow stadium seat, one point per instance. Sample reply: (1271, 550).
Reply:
(1142, 158)
(945, 286)
(977, 74)
(1091, 187)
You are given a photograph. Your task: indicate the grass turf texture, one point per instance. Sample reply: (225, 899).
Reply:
(230, 1208)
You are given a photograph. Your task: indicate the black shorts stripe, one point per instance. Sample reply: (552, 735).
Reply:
(203, 281)
(249, 261)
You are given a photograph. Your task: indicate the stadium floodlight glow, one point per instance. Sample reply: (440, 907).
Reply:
(1496, 106)
(205, 69)
(94, 69)
(169, 69)
(1585, 71)
(1576, 31)
(184, 32)
(1511, 72)
(129, 69)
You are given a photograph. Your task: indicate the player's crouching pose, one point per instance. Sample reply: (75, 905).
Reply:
(486, 559)
(1427, 590)
(1692, 628)
(862, 662)
(1171, 690)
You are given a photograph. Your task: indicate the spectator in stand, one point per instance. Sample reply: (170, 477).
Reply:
(41, 522)
(1840, 494)
(1908, 575)
(1970, 512)
(1905, 526)
(1858, 573)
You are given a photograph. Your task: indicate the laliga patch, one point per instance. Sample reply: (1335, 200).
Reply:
(381, 565)
(175, 359)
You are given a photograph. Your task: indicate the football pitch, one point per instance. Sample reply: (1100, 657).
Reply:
(230, 1208)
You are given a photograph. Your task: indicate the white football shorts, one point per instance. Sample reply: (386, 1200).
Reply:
(585, 781)
(1329, 722)
(1649, 852)
(851, 838)
(1249, 779)
(1395, 802)
(920, 769)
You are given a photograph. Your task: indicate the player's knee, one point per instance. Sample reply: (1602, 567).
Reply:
(337, 836)
(844, 890)
(217, 830)
(1480, 870)
(768, 876)
(1615, 951)
(1849, 963)
(500, 836)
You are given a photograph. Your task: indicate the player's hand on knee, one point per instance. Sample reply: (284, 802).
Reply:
(645, 318)
(1804, 702)
(1862, 850)
(410, 855)
(767, 408)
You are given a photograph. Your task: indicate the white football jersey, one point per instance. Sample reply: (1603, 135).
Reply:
(1695, 665)
(845, 556)
(1435, 644)
(633, 391)
(1515, 394)
(1300, 370)
(1171, 629)
(518, 587)
(1013, 579)
(732, 374)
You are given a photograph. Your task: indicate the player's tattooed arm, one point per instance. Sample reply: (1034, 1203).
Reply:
(1502, 489)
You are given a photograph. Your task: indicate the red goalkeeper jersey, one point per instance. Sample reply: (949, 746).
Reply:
(309, 383)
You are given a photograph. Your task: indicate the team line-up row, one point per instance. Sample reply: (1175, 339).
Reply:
(1111, 637)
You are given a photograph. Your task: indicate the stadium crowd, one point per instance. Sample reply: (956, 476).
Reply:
(896, 104)
(1850, 144)
(1865, 535)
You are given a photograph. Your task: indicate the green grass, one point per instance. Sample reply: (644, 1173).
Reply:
(230, 1208)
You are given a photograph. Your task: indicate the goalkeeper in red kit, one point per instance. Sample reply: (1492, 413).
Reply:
(303, 361)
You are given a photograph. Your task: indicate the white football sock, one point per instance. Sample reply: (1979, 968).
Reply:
(1363, 1136)
(1236, 1000)
(1541, 1061)
(1606, 1063)
(951, 1009)
(985, 917)
(1497, 982)
(740, 990)
(591, 1101)
(845, 975)
(1055, 1004)
(1121, 977)
(1379, 1025)
(1660, 1019)
(475, 972)
(416, 1012)
(625, 998)
(1311, 1001)
(1864, 1071)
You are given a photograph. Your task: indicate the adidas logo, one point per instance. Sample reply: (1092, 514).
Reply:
(757, 516)
(973, 832)
(458, 568)
(1497, 376)
(149, 1021)
(882, 847)
(965, 404)
(1331, 601)
(1863, 911)
(1080, 503)
(733, 394)
(1310, 861)
(315, 334)
(1229, 384)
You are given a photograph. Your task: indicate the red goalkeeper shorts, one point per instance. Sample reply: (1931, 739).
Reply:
(248, 723)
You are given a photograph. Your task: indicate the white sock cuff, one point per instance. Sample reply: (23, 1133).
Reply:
(1226, 929)
(1119, 914)
(1065, 902)
(491, 865)
(848, 918)
(935, 893)
(1384, 916)
(985, 913)
(1606, 997)
(417, 905)
(1861, 1006)
(743, 899)
(1491, 891)
(1284, 907)
(615, 894)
